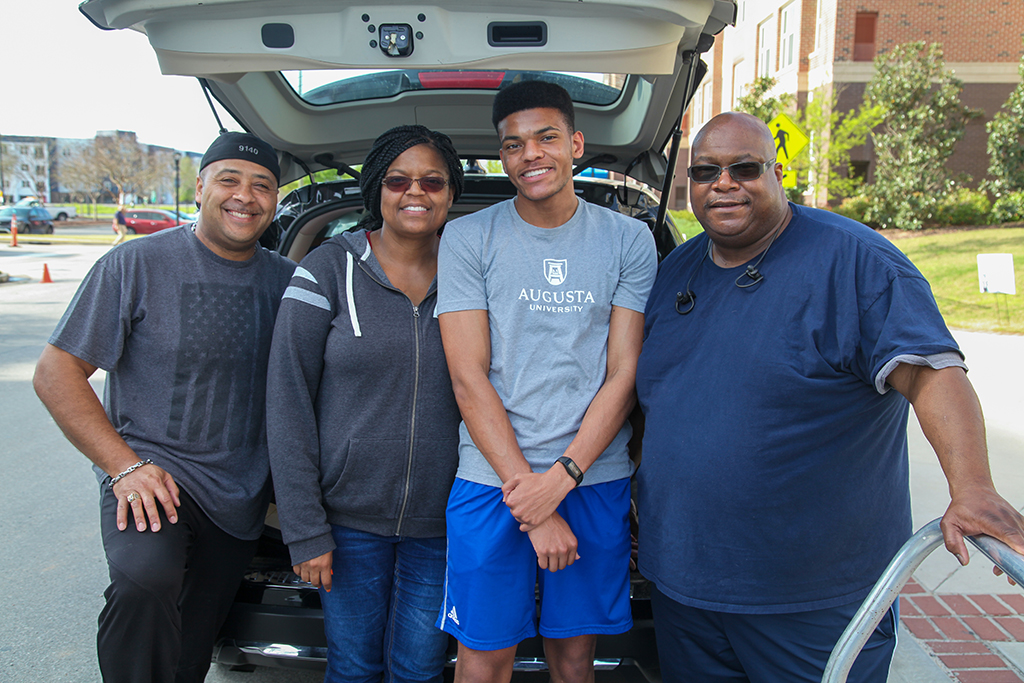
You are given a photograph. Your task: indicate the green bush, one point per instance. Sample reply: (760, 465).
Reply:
(854, 207)
(1009, 208)
(962, 207)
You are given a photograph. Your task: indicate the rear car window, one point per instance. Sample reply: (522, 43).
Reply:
(334, 86)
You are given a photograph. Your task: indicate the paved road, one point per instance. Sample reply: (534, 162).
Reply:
(52, 554)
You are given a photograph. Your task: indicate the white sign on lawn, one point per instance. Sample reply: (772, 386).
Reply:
(995, 274)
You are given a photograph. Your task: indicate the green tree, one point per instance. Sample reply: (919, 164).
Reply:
(80, 175)
(758, 102)
(187, 185)
(1005, 151)
(124, 164)
(923, 120)
(832, 135)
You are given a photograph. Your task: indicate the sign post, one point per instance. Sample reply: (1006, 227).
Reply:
(995, 276)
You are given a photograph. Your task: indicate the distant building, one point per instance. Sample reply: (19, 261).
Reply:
(26, 166)
(806, 44)
(31, 166)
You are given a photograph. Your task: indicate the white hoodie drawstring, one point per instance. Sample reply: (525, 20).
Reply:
(349, 298)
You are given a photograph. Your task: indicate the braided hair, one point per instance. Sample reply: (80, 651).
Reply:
(388, 147)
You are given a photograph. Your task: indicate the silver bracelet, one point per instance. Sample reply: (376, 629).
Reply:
(128, 471)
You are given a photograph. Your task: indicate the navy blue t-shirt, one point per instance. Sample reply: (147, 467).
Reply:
(774, 475)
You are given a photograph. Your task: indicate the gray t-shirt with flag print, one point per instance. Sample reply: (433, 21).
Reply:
(184, 336)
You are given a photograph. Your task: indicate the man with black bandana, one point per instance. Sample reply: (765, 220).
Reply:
(181, 321)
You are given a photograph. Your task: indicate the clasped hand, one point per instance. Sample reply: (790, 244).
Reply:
(150, 485)
(533, 498)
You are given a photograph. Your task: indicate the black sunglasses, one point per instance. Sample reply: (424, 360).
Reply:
(743, 170)
(430, 183)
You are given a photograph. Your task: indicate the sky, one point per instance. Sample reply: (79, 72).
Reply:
(63, 77)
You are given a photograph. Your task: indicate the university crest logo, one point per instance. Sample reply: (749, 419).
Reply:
(555, 270)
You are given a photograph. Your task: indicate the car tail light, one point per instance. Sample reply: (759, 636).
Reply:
(480, 80)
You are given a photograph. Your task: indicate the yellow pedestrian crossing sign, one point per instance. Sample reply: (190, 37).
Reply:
(789, 140)
(788, 178)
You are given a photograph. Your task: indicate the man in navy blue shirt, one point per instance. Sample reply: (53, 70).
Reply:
(774, 487)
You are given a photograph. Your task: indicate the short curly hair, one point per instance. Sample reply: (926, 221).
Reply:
(533, 95)
(388, 147)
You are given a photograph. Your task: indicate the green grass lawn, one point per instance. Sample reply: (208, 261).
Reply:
(949, 262)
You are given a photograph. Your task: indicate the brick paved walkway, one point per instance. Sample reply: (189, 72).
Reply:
(958, 630)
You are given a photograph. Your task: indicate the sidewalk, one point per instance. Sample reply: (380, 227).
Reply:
(963, 623)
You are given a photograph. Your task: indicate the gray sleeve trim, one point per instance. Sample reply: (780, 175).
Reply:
(306, 296)
(936, 361)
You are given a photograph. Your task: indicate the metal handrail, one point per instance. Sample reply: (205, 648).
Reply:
(888, 587)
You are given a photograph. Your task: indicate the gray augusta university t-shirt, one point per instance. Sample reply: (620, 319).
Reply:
(184, 335)
(549, 294)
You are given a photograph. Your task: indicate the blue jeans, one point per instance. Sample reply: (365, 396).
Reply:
(379, 616)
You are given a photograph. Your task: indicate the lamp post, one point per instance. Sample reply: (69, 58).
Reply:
(177, 182)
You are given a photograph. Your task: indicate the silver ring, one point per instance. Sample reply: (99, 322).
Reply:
(132, 497)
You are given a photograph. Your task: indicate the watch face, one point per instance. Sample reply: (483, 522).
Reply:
(572, 468)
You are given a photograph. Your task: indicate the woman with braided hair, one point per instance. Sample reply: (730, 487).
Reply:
(362, 422)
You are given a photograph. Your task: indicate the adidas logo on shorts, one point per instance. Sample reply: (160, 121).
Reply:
(453, 615)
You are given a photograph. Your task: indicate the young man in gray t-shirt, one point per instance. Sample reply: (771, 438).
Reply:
(540, 302)
(181, 321)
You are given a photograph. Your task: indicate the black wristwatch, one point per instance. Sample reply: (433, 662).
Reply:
(572, 468)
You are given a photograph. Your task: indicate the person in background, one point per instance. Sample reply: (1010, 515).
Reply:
(119, 225)
(362, 421)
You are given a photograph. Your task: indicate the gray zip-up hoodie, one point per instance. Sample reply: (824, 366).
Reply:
(362, 423)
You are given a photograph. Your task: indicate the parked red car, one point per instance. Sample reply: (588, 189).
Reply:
(148, 221)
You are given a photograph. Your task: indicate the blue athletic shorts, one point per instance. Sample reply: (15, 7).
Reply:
(490, 599)
(719, 647)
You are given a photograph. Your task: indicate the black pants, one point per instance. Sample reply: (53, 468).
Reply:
(169, 593)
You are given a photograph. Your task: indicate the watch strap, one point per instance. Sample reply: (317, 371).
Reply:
(572, 468)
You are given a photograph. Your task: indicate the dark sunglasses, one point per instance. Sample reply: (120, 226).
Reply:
(430, 183)
(743, 170)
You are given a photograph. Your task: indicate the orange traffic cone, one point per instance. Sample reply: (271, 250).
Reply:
(46, 274)
(14, 233)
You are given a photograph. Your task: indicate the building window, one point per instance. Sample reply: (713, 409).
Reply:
(787, 48)
(38, 152)
(765, 45)
(24, 167)
(738, 86)
(40, 170)
(708, 101)
(697, 107)
(864, 37)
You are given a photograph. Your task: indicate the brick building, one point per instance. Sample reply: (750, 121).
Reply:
(806, 44)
